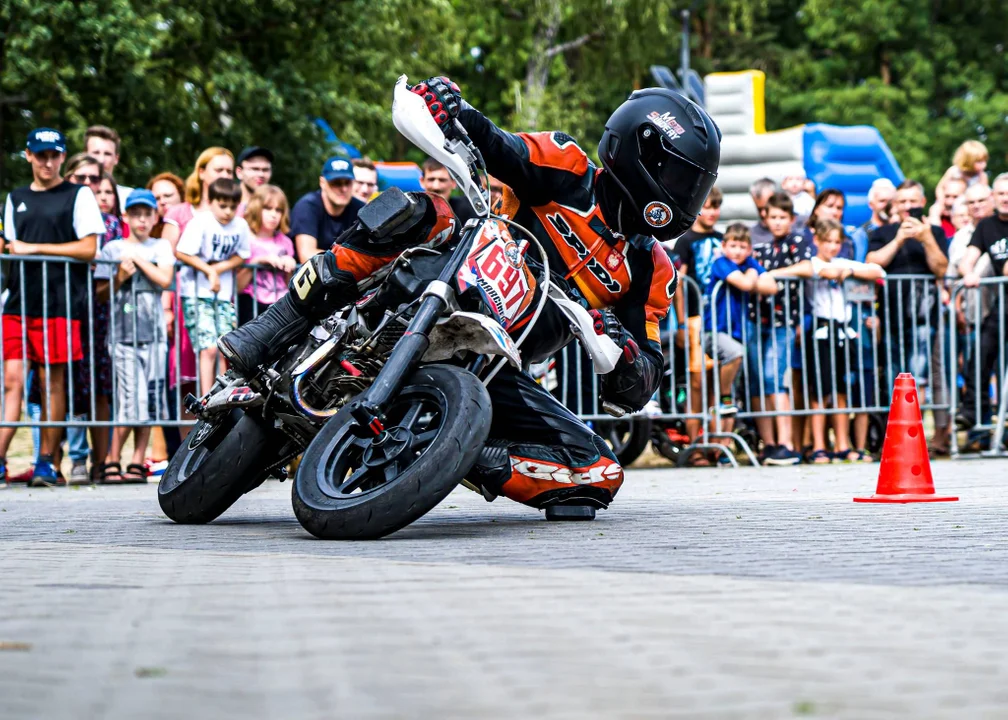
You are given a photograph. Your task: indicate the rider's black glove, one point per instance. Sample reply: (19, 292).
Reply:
(607, 324)
(443, 98)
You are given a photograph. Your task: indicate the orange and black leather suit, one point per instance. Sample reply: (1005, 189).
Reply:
(539, 452)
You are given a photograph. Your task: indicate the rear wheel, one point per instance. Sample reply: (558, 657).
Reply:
(218, 462)
(627, 437)
(348, 487)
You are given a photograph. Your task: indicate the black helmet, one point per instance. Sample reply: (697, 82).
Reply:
(663, 152)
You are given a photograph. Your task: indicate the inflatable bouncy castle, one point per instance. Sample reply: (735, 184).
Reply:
(833, 156)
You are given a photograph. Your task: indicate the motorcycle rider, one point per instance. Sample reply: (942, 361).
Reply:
(659, 155)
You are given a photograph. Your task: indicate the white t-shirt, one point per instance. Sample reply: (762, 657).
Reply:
(87, 218)
(212, 242)
(828, 299)
(123, 191)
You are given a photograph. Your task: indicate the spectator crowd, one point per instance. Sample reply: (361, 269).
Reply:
(811, 354)
(797, 320)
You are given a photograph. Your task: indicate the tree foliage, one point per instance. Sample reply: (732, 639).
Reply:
(174, 76)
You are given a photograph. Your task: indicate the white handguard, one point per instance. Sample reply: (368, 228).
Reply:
(604, 353)
(412, 118)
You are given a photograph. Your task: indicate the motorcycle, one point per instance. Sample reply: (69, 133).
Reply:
(386, 399)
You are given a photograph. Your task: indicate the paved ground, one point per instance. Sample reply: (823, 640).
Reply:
(701, 594)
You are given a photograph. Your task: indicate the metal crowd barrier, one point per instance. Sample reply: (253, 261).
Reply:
(906, 332)
(979, 317)
(96, 314)
(910, 332)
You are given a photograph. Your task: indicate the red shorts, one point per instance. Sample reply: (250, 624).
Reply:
(55, 333)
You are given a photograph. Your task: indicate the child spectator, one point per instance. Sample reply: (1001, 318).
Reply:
(138, 340)
(969, 164)
(828, 347)
(772, 342)
(794, 186)
(268, 219)
(725, 322)
(213, 245)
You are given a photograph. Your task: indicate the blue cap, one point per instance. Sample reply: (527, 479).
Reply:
(337, 168)
(140, 197)
(41, 139)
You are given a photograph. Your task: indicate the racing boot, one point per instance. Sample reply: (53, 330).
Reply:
(316, 290)
(266, 338)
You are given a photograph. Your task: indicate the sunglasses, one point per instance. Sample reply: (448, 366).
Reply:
(89, 179)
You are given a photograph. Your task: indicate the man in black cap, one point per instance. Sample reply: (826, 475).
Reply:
(319, 217)
(254, 167)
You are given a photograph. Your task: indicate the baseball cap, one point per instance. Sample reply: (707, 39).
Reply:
(337, 168)
(140, 197)
(41, 139)
(254, 151)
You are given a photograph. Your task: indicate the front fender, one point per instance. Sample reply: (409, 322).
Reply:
(470, 331)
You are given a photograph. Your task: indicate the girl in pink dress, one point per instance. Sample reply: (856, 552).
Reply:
(267, 215)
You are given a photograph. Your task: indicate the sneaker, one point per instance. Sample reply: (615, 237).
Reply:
(44, 474)
(781, 456)
(79, 473)
(3, 469)
(768, 450)
(728, 408)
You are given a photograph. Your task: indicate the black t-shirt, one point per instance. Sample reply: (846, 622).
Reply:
(697, 251)
(60, 215)
(462, 209)
(781, 253)
(309, 217)
(908, 298)
(991, 237)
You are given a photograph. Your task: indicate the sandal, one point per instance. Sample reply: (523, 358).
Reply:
(110, 473)
(846, 456)
(819, 457)
(135, 474)
(698, 458)
(863, 456)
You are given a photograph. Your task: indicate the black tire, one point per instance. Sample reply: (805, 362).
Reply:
(336, 498)
(628, 438)
(215, 465)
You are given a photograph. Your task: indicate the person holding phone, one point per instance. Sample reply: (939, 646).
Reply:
(909, 246)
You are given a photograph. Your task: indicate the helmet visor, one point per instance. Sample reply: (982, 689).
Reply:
(685, 183)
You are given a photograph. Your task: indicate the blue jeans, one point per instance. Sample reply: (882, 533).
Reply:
(76, 436)
(769, 352)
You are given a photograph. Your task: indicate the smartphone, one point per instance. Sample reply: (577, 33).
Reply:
(916, 213)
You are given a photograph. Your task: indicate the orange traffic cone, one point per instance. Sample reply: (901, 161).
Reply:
(905, 472)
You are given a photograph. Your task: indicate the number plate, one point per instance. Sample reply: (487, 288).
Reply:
(496, 267)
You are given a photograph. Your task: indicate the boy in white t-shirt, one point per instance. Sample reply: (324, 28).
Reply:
(138, 339)
(213, 245)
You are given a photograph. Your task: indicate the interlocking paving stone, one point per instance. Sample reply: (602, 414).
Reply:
(753, 593)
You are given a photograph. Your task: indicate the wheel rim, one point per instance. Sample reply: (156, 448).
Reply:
(357, 466)
(618, 435)
(199, 446)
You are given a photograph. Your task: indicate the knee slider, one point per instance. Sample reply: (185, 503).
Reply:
(320, 287)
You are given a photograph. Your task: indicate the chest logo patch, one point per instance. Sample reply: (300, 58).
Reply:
(657, 214)
(614, 260)
(22, 207)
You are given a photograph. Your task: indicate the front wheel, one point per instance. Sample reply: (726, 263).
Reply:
(218, 462)
(353, 488)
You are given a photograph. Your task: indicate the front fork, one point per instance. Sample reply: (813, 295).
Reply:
(368, 408)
